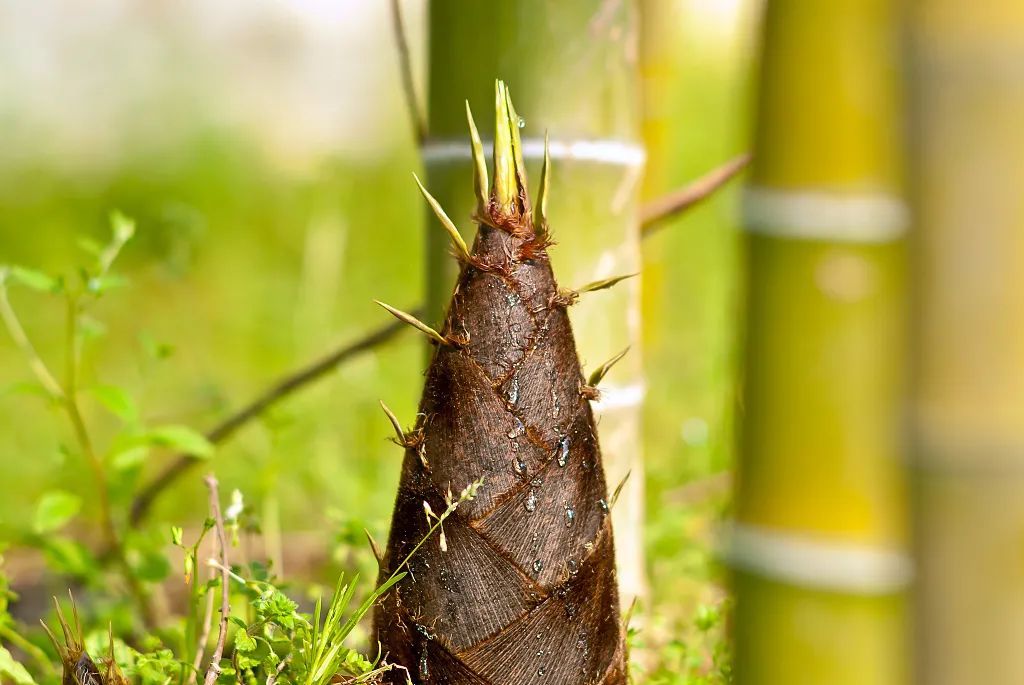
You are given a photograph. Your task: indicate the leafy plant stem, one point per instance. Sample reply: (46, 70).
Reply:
(17, 333)
(16, 639)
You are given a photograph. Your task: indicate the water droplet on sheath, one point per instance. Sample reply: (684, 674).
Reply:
(512, 394)
(570, 516)
(424, 670)
(531, 501)
(521, 123)
(603, 504)
(538, 565)
(563, 450)
(520, 466)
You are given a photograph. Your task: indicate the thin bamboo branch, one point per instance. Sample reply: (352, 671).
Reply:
(277, 392)
(225, 603)
(412, 101)
(656, 211)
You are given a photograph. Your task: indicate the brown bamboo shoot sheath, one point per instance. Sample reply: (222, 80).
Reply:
(968, 343)
(571, 67)
(521, 587)
(819, 548)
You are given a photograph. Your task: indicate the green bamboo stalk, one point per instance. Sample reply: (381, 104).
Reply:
(968, 355)
(691, 270)
(818, 548)
(570, 70)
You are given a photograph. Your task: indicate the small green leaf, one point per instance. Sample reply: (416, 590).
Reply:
(122, 227)
(12, 671)
(36, 280)
(244, 642)
(117, 401)
(54, 510)
(181, 438)
(128, 457)
(177, 535)
(101, 284)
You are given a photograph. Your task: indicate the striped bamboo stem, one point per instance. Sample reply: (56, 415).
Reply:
(968, 342)
(570, 68)
(818, 547)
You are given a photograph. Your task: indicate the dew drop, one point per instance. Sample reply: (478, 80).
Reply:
(538, 565)
(563, 450)
(512, 394)
(572, 566)
(603, 504)
(570, 516)
(518, 428)
(520, 466)
(521, 123)
(531, 501)
(424, 670)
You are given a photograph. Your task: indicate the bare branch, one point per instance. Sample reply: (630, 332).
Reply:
(654, 212)
(412, 102)
(277, 392)
(213, 671)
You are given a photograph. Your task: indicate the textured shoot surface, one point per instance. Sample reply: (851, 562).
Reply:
(525, 590)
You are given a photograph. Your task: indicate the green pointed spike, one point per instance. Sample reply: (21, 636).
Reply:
(517, 151)
(603, 283)
(415, 323)
(601, 371)
(540, 212)
(399, 431)
(505, 190)
(461, 250)
(479, 163)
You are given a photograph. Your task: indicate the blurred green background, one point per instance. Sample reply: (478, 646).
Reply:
(265, 153)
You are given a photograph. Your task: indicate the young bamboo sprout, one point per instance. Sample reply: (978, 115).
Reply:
(521, 587)
(79, 668)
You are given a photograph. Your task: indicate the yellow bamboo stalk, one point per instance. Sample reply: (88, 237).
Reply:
(968, 355)
(571, 70)
(818, 547)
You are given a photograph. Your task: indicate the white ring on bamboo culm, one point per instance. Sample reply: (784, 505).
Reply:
(620, 397)
(825, 215)
(608, 151)
(809, 562)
